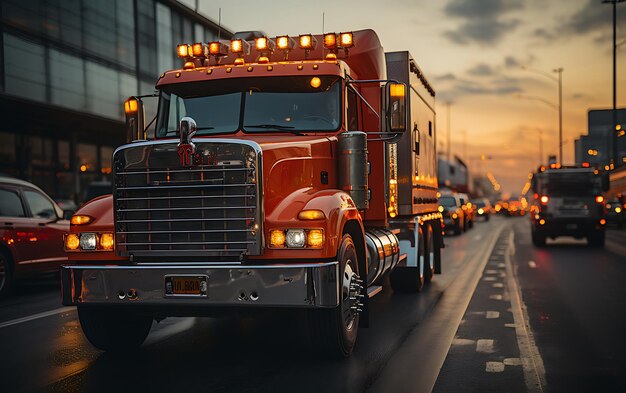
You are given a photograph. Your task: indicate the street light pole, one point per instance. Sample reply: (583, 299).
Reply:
(614, 130)
(560, 72)
(559, 80)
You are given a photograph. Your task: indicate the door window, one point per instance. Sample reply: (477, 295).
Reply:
(10, 204)
(39, 205)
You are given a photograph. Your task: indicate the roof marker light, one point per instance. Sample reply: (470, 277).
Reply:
(330, 41)
(307, 41)
(198, 50)
(217, 48)
(183, 50)
(346, 40)
(284, 42)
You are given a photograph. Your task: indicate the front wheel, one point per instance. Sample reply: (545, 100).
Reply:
(334, 331)
(5, 274)
(112, 329)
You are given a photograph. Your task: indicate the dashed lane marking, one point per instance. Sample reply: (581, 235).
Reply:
(492, 315)
(512, 362)
(478, 237)
(498, 285)
(463, 341)
(36, 316)
(489, 278)
(491, 271)
(494, 367)
(532, 264)
(495, 297)
(485, 346)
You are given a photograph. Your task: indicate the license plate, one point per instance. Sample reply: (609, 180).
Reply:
(571, 226)
(190, 285)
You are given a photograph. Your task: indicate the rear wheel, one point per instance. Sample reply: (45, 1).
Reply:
(334, 331)
(411, 278)
(5, 274)
(113, 330)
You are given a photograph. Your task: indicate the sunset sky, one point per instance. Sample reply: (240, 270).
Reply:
(472, 52)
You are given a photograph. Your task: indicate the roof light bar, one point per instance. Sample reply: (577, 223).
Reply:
(199, 49)
(330, 41)
(346, 40)
(217, 48)
(307, 41)
(184, 50)
(240, 47)
(284, 42)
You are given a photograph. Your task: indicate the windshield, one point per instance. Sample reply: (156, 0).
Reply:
(277, 104)
(447, 201)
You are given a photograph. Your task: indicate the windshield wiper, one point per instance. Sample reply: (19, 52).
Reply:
(276, 127)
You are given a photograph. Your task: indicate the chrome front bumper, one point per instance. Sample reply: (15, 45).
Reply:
(294, 285)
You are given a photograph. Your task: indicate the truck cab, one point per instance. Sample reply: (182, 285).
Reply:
(282, 173)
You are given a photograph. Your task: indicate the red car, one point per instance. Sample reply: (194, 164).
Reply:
(31, 232)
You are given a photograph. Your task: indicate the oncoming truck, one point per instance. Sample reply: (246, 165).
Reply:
(568, 201)
(294, 172)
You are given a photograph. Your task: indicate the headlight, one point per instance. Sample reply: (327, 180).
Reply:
(88, 241)
(295, 238)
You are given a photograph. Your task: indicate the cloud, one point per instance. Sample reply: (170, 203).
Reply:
(483, 21)
(543, 34)
(481, 69)
(445, 77)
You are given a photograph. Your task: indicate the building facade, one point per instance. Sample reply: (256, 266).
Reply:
(66, 67)
(596, 147)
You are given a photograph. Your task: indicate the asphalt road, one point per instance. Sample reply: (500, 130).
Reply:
(436, 340)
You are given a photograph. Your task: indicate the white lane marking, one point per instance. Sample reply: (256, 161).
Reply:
(510, 325)
(36, 316)
(501, 265)
(494, 367)
(498, 285)
(502, 275)
(489, 278)
(512, 362)
(478, 237)
(492, 315)
(532, 264)
(495, 297)
(534, 371)
(463, 341)
(491, 271)
(485, 346)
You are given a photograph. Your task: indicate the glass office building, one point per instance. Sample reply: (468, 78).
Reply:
(66, 67)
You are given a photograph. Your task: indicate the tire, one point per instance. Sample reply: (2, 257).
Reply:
(596, 239)
(457, 228)
(113, 330)
(334, 331)
(410, 278)
(6, 274)
(429, 252)
(539, 240)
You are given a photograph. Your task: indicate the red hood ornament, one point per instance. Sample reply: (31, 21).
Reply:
(186, 148)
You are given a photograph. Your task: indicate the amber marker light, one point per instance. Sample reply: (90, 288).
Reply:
(307, 41)
(315, 238)
(217, 48)
(599, 199)
(602, 221)
(312, 214)
(107, 241)
(79, 219)
(236, 46)
(284, 42)
(346, 40)
(330, 41)
(544, 199)
(198, 49)
(396, 89)
(183, 50)
(542, 222)
(277, 238)
(315, 82)
(72, 242)
(130, 106)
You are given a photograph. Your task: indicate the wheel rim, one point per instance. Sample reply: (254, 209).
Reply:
(351, 295)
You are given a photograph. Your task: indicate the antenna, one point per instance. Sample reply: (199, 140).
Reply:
(219, 25)
(323, 15)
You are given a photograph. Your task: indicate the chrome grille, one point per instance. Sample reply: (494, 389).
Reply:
(212, 208)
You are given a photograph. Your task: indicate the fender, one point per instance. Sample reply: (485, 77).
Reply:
(338, 208)
(101, 209)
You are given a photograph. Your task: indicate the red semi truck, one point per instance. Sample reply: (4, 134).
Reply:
(289, 172)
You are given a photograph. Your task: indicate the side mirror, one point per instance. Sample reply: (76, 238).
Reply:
(135, 119)
(67, 214)
(396, 107)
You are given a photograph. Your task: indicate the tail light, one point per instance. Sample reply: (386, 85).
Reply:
(544, 199)
(599, 199)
